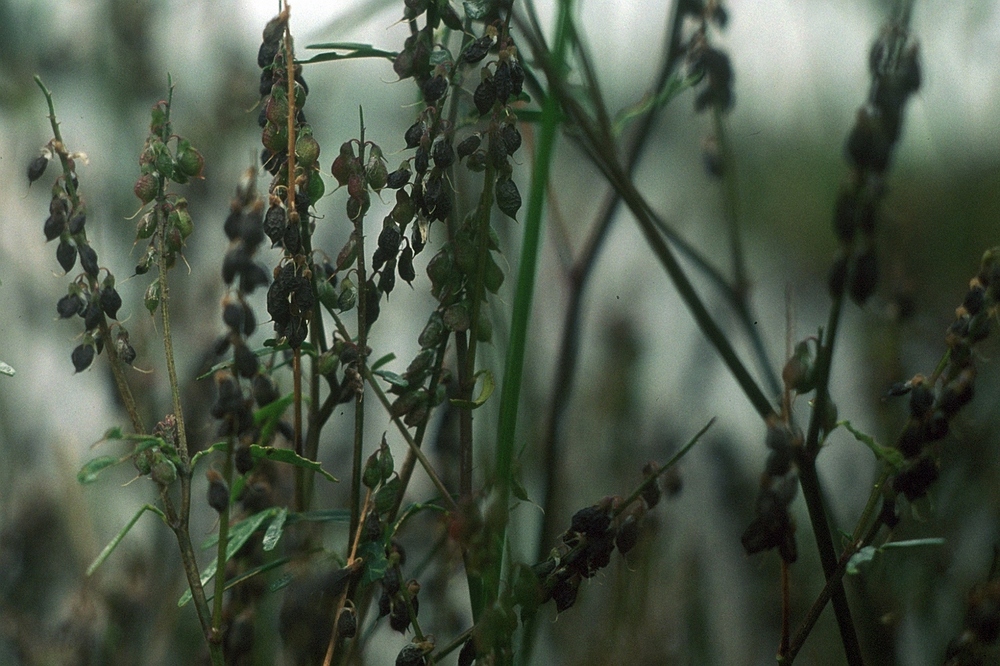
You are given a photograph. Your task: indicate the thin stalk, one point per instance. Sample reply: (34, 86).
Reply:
(731, 207)
(220, 558)
(510, 391)
(362, 308)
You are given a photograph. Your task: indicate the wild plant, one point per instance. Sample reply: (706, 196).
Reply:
(493, 95)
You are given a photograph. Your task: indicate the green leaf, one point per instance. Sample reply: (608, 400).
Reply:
(250, 524)
(88, 473)
(376, 563)
(273, 411)
(238, 535)
(289, 457)
(113, 433)
(392, 378)
(517, 489)
(6, 370)
(351, 50)
(99, 560)
(218, 446)
(247, 575)
(489, 384)
(274, 530)
(891, 457)
(281, 583)
(388, 358)
(860, 559)
(326, 516)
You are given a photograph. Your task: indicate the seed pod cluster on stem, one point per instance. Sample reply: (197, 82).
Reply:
(91, 295)
(773, 526)
(935, 401)
(895, 70)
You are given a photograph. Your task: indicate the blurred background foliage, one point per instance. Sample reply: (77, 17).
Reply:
(687, 594)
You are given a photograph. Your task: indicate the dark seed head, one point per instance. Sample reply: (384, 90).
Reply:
(76, 224)
(468, 145)
(88, 260)
(36, 168)
(110, 302)
(485, 96)
(478, 49)
(864, 278)
(66, 255)
(435, 88)
(82, 357)
(508, 198)
(69, 305)
(413, 134)
(54, 226)
(218, 493)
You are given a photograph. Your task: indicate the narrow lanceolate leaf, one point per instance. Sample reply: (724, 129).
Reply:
(891, 457)
(238, 535)
(88, 473)
(274, 530)
(99, 560)
(289, 457)
(346, 51)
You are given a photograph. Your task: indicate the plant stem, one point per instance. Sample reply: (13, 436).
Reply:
(359, 401)
(220, 562)
(510, 391)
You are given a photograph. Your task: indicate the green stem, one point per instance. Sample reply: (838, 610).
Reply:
(510, 391)
(220, 562)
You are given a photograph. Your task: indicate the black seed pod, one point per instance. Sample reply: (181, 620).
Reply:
(868, 145)
(110, 302)
(372, 297)
(467, 656)
(628, 535)
(253, 276)
(501, 81)
(218, 493)
(516, 78)
(865, 277)
(92, 316)
(274, 223)
(88, 260)
(265, 391)
(434, 88)
(126, 352)
(387, 278)
(54, 226)
(82, 357)
(511, 138)
(397, 179)
(413, 134)
(421, 161)
(36, 168)
(347, 625)
(66, 255)
(245, 360)
(591, 521)
(564, 593)
(468, 145)
(405, 266)
(410, 655)
(232, 315)
(844, 221)
(485, 96)
(478, 49)
(243, 459)
(921, 399)
(76, 224)
(266, 53)
(389, 240)
(443, 154)
(508, 198)
(379, 258)
(69, 305)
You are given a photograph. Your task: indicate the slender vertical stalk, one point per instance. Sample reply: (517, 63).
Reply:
(359, 401)
(220, 561)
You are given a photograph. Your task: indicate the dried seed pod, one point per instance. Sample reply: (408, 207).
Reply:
(501, 81)
(511, 138)
(53, 227)
(69, 305)
(485, 95)
(468, 145)
(218, 492)
(443, 154)
(410, 655)
(405, 265)
(413, 134)
(275, 222)
(37, 166)
(111, 301)
(508, 198)
(77, 223)
(628, 535)
(434, 88)
(516, 78)
(66, 255)
(92, 316)
(88, 260)
(83, 356)
(347, 623)
(389, 239)
(398, 178)
(837, 279)
(868, 145)
(477, 50)
(146, 187)
(387, 278)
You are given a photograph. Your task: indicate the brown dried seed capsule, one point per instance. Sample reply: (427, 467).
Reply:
(83, 356)
(36, 168)
(146, 187)
(66, 255)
